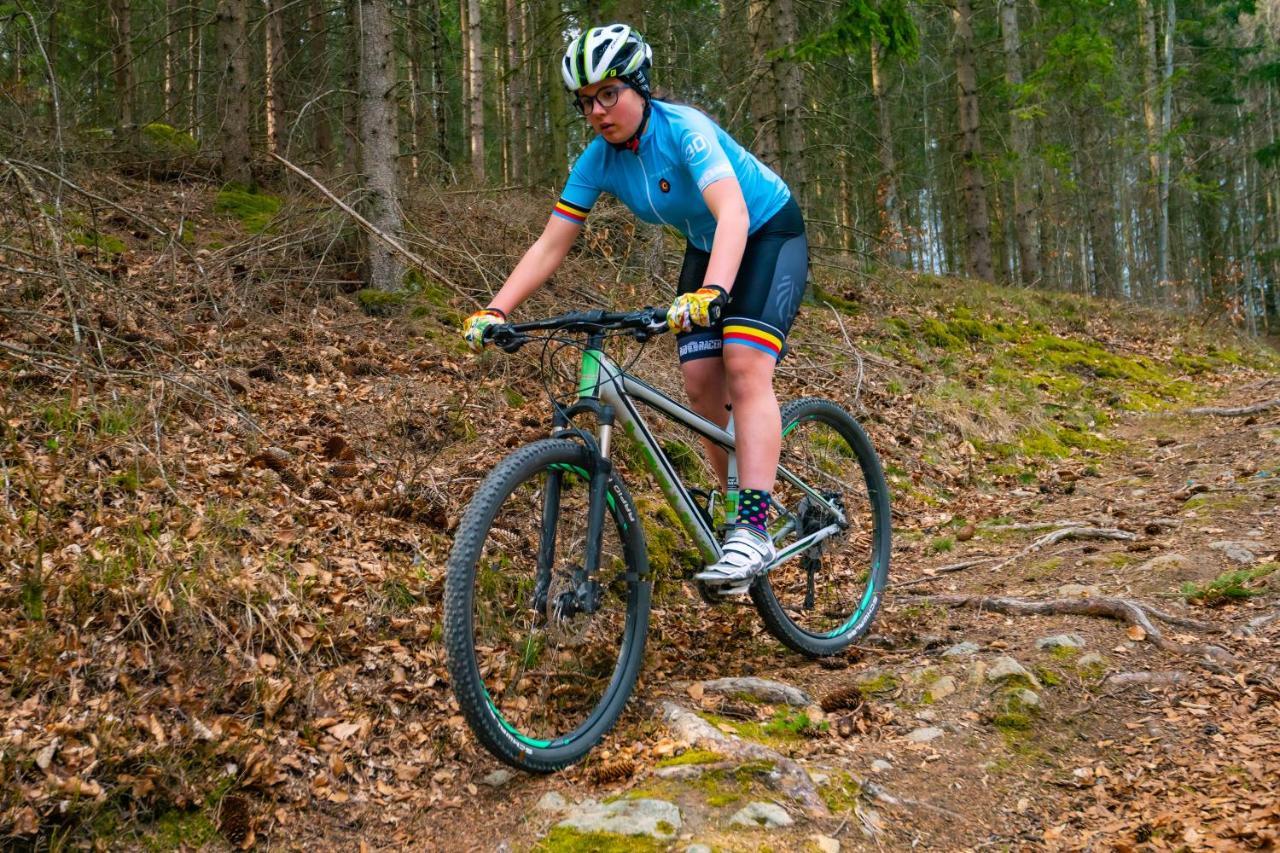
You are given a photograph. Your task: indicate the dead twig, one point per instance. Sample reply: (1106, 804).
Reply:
(857, 386)
(1236, 412)
(934, 574)
(395, 244)
(1067, 533)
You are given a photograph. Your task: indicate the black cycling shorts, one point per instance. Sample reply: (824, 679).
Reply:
(765, 296)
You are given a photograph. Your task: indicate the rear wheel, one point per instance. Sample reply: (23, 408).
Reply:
(823, 600)
(542, 657)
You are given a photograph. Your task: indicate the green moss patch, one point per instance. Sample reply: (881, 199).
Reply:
(879, 684)
(380, 303)
(169, 141)
(252, 209)
(841, 793)
(562, 839)
(105, 243)
(691, 756)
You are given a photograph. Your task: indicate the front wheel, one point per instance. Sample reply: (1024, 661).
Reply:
(541, 656)
(821, 601)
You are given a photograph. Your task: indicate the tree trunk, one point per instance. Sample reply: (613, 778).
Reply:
(121, 13)
(413, 25)
(734, 33)
(764, 90)
(171, 30)
(893, 244)
(233, 93)
(195, 59)
(438, 89)
(1150, 84)
(52, 42)
(1166, 126)
(1026, 228)
(273, 65)
(555, 149)
(378, 145)
(515, 92)
(1100, 211)
(475, 51)
(321, 131)
(973, 188)
(790, 77)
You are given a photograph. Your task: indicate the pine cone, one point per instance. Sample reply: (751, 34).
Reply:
(235, 821)
(275, 458)
(613, 771)
(336, 448)
(847, 696)
(293, 481)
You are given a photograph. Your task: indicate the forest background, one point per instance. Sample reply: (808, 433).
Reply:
(237, 431)
(1126, 149)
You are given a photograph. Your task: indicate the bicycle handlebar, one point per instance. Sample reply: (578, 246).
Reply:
(643, 324)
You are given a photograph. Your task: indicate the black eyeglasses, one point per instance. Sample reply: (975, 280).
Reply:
(606, 98)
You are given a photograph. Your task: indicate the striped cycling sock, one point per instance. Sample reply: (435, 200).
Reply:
(753, 510)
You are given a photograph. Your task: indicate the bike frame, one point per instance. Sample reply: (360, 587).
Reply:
(610, 392)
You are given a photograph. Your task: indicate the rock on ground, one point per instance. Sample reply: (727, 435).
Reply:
(924, 735)
(942, 688)
(1060, 641)
(1240, 552)
(1007, 669)
(498, 778)
(552, 801)
(767, 815)
(762, 689)
(656, 818)
(961, 650)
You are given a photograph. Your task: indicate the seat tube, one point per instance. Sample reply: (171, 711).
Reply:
(731, 480)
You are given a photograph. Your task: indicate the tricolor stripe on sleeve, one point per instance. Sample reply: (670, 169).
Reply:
(571, 212)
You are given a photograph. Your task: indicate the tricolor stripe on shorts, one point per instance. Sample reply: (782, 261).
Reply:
(754, 334)
(571, 212)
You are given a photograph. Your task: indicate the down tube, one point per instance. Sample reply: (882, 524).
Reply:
(662, 470)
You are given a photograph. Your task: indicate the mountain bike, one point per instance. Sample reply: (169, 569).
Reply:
(548, 589)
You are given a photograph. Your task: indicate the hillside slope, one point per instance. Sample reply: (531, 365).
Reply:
(230, 481)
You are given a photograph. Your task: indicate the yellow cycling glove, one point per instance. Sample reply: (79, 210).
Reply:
(473, 327)
(700, 308)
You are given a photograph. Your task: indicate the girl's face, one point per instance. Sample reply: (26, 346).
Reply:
(618, 121)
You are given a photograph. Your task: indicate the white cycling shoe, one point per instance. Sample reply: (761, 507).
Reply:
(746, 555)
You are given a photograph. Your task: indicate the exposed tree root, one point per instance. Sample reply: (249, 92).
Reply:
(1258, 623)
(1149, 679)
(1120, 609)
(1237, 412)
(1067, 533)
(762, 689)
(791, 779)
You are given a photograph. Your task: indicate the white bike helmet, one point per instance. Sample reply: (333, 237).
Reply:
(604, 52)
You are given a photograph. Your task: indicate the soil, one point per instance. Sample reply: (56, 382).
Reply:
(1186, 766)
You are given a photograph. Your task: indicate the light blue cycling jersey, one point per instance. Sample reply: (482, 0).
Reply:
(681, 153)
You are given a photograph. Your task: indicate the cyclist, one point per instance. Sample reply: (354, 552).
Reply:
(746, 254)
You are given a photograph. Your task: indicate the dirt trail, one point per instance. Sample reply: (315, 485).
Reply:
(1116, 739)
